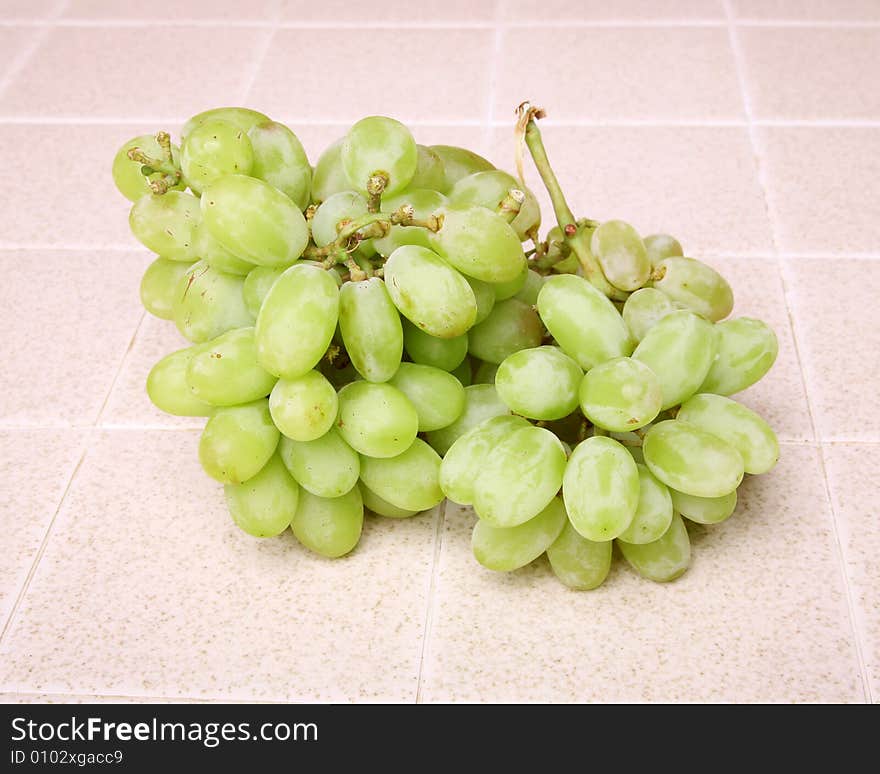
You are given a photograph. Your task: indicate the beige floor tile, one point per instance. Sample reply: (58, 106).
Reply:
(68, 318)
(15, 10)
(154, 591)
(13, 41)
(191, 10)
(837, 324)
(623, 10)
(807, 10)
(760, 616)
(821, 188)
(415, 12)
(61, 698)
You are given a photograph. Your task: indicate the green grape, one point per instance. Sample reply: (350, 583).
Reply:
(238, 441)
(663, 560)
(209, 302)
(329, 526)
(747, 349)
(167, 387)
(620, 394)
(326, 466)
(213, 149)
(644, 309)
(132, 184)
(507, 549)
(481, 402)
(540, 383)
(528, 294)
(338, 208)
(371, 329)
(376, 420)
(459, 163)
(297, 321)
(488, 189)
(225, 371)
(209, 250)
(695, 286)
(520, 478)
(689, 459)
(379, 146)
(704, 510)
(579, 563)
(408, 480)
(430, 171)
(621, 254)
(254, 221)
(510, 327)
(486, 373)
(425, 349)
(601, 488)
(243, 118)
(464, 460)
(329, 177)
(479, 243)
(437, 395)
(429, 292)
(653, 513)
(263, 506)
(484, 293)
(304, 408)
(257, 284)
(741, 427)
(375, 504)
(661, 246)
(423, 202)
(462, 372)
(582, 320)
(505, 290)
(280, 160)
(159, 286)
(164, 224)
(679, 350)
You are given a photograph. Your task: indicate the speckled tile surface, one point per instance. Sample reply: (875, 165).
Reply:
(807, 10)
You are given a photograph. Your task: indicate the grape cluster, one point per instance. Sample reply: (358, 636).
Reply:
(371, 335)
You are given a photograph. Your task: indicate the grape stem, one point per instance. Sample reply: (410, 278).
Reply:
(375, 188)
(511, 204)
(162, 174)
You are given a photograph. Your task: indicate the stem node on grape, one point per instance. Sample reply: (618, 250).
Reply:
(375, 188)
(511, 204)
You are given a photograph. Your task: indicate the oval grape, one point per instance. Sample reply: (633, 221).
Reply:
(620, 395)
(264, 505)
(376, 420)
(409, 480)
(663, 560)
(238, 441)
(329, 526)
(507, 549)
(326, 466)
(539, 383)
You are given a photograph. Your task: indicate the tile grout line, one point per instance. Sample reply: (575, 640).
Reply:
(738, 58)
(97, 423)
(439, 529)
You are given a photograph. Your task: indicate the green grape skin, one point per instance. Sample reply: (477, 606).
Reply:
(409, 480)
(238, 441)
(371, 329)
(741, 427)
(437, 395)
(325, 466)
(488, 189)
(520, 478)
(484, 294)
(243, 118)
(620, 394)
(164, 224)
(225, 371)
(528, 294)
(540, 383)
(379, 145)
(264, 505)
(600, 488)
(376, 420)
(280, 160)
(338, 208)
(695, 286)
(481, 402)
(206, 248)
(510, 327)
(621, 253)
(692, 461)
(479, 243)
(462, 372)
(644, 309)
(213, 149)
(328, 176)
(159, 286)
(208, 303)
(459, 163)
(661, 246)
(579, 563)
(297, 321)
(583, 321)
(486, 373)
(429, 292)
(679, 350)
(507, 549)
(704, 510)
(424, 202)
(466, 457)
(167, 387)
(653, 513)
(256, 286)
(375, 504)
(430, 171)
(304, 408)
(329, 526)
(663, 560)
(425, 349)
(254, 221)
(747, 349)
(127, 176)
(505, 290)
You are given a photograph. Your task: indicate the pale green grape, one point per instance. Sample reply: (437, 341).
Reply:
(621, 254)
(264, 505)
(679, 350)
(209, 250)
(430, 171)
(689, 459)
(704, 510)
(213, 149)
(379, 145)
(437, 395)
(257, 284)
(376, 420)
(540, 383)
(653, 513)
(326, 466)
(280, 160)
(661, 246)
(644, 309)
(424, 202)
(164, 224)
(459, 162)
(297, 321)
(481, 402)
(747, 349)
(159, 286)
(429, 292)
(238, 441)
(423, 348)
(505, 290)
(462, 372)
(741, 427)
(329, 177)
(374, 503)
(582, 320)
(505, 549)
(484, 293)
(531, 288)
(488, 189)
(243, 118)
(620, 394)
(225, 371)
(486, 373)
(208, 303)
(254, 220)
(127, 173)
(695, 286)
(409, 480)
(579, 563)
(167, 387)
(371, 329)
(663, 560)
(601, 488)
(304, 407)
(329, 526)
(339, 208)
(510, 327)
